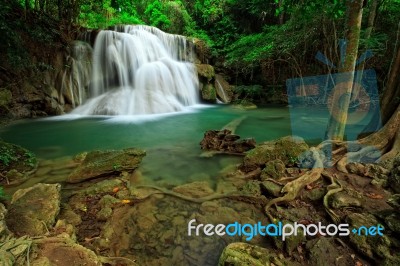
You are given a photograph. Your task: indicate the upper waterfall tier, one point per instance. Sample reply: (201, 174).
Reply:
(140, 70)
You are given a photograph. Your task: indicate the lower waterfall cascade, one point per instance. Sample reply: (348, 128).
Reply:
(140, 70)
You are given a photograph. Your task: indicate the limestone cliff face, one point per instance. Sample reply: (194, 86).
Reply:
(35, 61)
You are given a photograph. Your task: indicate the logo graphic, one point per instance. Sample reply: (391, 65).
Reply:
(314, 100)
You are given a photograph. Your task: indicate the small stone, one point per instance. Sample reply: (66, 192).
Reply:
(315, 194)
(271, 188)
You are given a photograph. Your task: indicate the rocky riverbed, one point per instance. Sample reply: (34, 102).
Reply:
(97, 208)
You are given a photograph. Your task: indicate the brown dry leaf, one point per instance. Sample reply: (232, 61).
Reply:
(374, 196)
(358, 263)
(309, 187)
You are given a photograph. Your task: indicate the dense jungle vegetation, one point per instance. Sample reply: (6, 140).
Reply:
(253, 41)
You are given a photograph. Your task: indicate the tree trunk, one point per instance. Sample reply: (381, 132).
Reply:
(339, 110)
(282, 14)
(371, 18)
(391, 95)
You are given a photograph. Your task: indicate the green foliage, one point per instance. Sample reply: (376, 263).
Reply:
(3, 196)
(252, 92)
(7, 155)
(15, 157)
(155, 15)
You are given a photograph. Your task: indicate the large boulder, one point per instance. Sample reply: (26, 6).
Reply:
(208, 93)
(286, 149)
(33, 210)
(223, 89)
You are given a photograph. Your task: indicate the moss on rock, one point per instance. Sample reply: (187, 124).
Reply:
(205, 71)
(286, 149)
(102, 163)
(208, 93)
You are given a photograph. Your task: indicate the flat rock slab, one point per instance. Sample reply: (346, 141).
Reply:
(33, 210)
(102, 163)
(195, 189)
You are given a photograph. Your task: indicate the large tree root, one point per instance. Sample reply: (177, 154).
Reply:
(333, 188)
(382, 145)
(293, 188)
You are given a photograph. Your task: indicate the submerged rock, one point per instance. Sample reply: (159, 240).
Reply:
(102, 163)
(33, 210)
(195, 189)
(286, 149)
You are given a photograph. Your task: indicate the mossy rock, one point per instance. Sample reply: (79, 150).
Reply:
(103, 163)
(374, 247)
(273, 169)
(205, 71)
(394, 177)
(16, 162)
(243, 254)
(33, 210)
(5, 97)
(286, 149)
(208, 93)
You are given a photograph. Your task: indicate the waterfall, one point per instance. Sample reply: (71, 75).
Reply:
(76, 77)
(140, 70)
(221, 92)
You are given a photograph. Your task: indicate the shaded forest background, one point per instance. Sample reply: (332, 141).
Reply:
(253, 42)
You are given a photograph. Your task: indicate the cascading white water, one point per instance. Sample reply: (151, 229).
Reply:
(221, 92)
(140, 70)
(76, 77)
